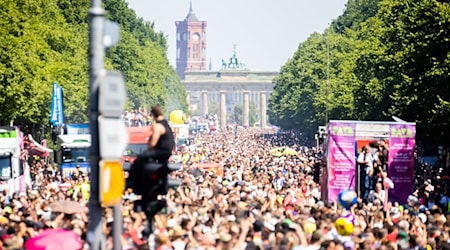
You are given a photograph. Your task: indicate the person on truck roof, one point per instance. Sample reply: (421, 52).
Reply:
(160, 146)
(161, 142)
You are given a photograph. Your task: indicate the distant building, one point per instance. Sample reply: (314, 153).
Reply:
(191, 44)
(232, 84)
(228, 88)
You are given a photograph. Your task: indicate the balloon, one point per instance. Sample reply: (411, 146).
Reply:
(347, 198)
(350, 218)
(177, 117)
(344, 226)
(387, 183)
(309, 228)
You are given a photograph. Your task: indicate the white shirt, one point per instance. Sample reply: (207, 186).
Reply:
(381, 195)
(179, 245)
(366, 157)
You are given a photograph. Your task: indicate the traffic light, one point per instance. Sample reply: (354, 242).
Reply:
(112, 137)
(156, 175)
(171, 182)
(151, 180)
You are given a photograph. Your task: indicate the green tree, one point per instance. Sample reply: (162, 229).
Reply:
(291, 102)
(47, 40)
(37, 48)
(355, 13)
(141, 56)
(385, 58)
(372, 94)
(213, 108)
(238, 114)
(419, 47)
(252, 113)
(318, 80)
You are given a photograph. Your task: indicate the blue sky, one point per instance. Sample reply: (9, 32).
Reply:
(266, 32)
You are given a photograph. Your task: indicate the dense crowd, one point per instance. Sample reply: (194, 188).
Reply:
(136, 118)
(236, 194)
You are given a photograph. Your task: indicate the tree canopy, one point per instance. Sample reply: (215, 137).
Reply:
(47, 40)
(380, 58)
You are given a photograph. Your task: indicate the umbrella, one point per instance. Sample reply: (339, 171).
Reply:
(66, 206)
(206, 166)
(196, 172)
(52, 239)
(289, 151)
(276, 152)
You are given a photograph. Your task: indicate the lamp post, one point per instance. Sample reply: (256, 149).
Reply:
(95, 235)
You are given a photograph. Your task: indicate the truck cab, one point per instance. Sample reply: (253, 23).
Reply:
(14, 169)
(72, 151)
(137, 142)
(202, 127)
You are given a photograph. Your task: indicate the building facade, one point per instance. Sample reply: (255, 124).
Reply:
(191, 44)
(233, 84)
(227, 88)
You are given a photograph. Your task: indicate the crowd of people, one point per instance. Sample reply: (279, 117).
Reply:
(236, 194)
(136, 118)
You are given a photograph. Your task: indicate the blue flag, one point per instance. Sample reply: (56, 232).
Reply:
(57, 109)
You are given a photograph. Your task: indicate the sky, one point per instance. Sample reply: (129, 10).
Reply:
(266, 33)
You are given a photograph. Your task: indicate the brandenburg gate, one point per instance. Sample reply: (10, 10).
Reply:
(228, 87)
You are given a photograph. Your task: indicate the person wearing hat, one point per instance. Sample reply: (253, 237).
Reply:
(7, 210)
(403, 240)
(10, 242)
(178, 237)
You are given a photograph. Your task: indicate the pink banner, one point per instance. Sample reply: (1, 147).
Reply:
(401, 161)
(341, 160)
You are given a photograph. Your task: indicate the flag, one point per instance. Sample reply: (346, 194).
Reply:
(57, 108)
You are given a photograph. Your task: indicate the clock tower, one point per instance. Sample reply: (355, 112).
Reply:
(191, 44)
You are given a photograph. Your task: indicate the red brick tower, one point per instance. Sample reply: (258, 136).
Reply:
(191, 44)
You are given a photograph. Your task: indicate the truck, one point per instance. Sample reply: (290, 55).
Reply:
(181, 135)
(72, 149)
(137, 143)
(14, 169)
(345, 139)
(181, 131)
(202, 127)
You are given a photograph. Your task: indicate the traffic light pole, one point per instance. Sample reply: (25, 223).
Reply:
(96, 66)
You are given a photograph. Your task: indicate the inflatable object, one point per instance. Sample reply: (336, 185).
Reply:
(309, 228)
(344, 226)
(347, 198)
(387, 183)
(350, 218)
(177, 117)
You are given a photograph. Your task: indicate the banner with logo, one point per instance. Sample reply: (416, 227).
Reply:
(57, 108)
(401, 161)
(77, 129)
(341, 158)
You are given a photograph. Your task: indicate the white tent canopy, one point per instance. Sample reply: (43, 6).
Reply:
(39, 145)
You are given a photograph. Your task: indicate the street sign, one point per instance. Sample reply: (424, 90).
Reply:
(112, 183)
(112, 95)
(111, 34)
(113, 138)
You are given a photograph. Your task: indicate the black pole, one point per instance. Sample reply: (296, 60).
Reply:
(96, 66)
